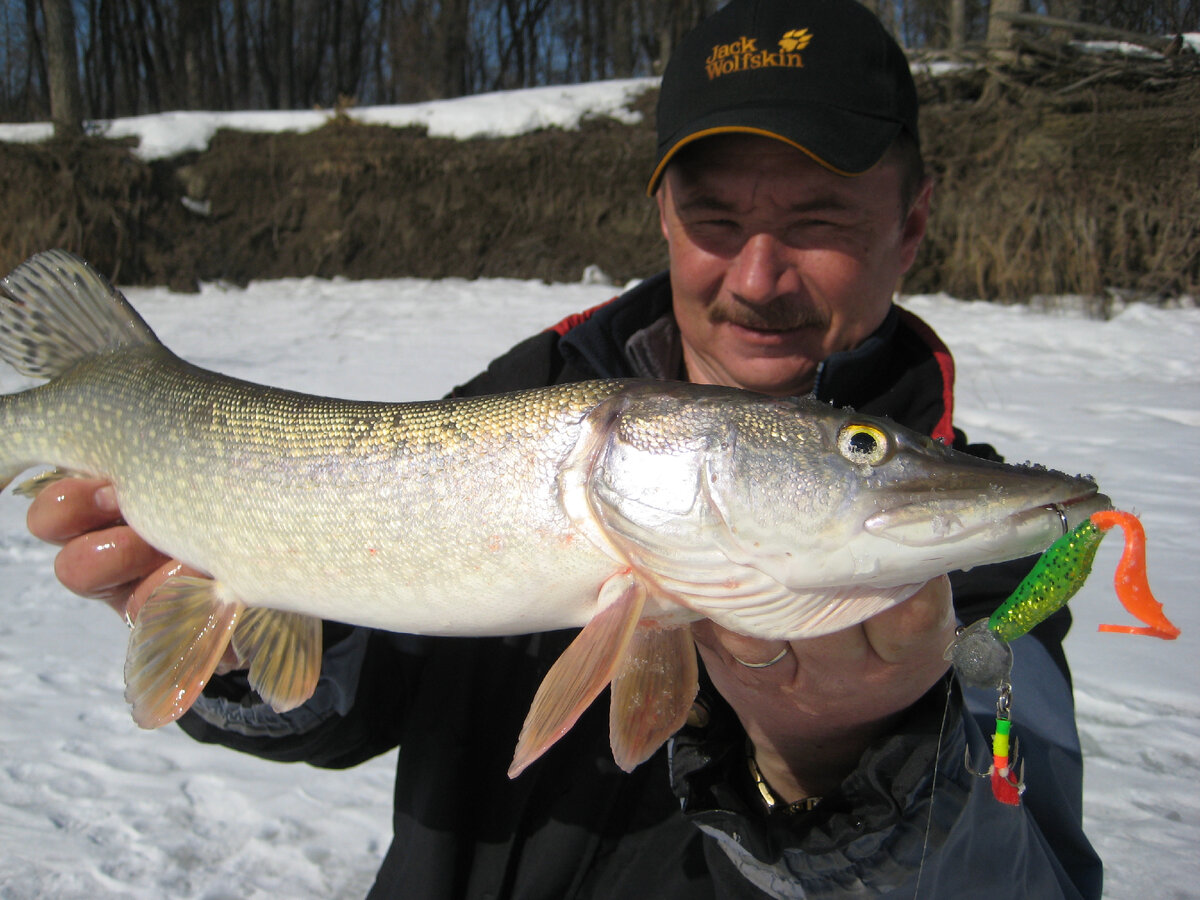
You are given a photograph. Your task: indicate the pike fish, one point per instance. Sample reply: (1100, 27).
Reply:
(628, 509)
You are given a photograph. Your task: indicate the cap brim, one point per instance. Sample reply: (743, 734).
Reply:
(845, 142)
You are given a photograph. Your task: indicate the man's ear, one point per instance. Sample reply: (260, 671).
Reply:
(915, 223)
(660, 197)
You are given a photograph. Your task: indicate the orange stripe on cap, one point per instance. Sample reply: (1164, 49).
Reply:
(656, 177)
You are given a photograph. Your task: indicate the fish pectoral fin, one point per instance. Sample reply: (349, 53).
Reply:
(652, 692)
(582, 672)
(179, 637)
(283, 653)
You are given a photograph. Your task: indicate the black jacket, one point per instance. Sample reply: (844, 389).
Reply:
(686, 823)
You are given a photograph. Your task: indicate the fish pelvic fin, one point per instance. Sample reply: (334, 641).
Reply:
(583, 671)
(652, 692)
(179, 637)
(283, 653)
(56, 311)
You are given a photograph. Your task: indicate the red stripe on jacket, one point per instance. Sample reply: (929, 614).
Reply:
(576, 319)
(944, 429)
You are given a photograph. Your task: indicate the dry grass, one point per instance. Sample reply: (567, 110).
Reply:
(1038, 192)
(1040, 195)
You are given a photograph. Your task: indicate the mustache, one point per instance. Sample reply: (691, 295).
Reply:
(780, 314)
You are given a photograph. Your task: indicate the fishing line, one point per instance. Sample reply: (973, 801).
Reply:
(937, 761)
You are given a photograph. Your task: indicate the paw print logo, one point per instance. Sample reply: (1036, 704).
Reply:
(795, 40)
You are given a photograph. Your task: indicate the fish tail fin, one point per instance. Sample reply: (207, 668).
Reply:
(56, 311)
(183, 631)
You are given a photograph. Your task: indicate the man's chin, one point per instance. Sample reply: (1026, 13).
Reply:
(776, 378)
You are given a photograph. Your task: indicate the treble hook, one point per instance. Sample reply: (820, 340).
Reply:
(1007, 785)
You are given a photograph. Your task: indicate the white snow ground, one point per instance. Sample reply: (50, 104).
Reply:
(92, 807)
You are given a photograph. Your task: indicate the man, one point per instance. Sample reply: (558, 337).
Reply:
(792, 199)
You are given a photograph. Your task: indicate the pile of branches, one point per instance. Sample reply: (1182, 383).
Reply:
(1062, 168)
(1062, 57)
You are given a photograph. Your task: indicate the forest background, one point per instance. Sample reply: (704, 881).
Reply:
(1060, 169)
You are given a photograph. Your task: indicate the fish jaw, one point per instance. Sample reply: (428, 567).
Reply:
(902, 511)
(956, 508)
(937, 496)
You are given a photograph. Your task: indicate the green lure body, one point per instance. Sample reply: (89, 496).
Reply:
(1054, 579)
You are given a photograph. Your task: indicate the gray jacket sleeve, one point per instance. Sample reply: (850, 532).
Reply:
(236, 710)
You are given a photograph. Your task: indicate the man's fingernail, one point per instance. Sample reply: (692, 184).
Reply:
(106, 499)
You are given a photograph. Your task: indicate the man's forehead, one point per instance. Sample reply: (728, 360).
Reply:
(719, 175)
(735, 150)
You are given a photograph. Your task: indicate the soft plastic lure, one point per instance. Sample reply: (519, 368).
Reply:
(981, 653)
(1055, 578)
(1131, 583)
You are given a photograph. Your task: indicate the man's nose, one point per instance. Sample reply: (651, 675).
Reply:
(755, 273)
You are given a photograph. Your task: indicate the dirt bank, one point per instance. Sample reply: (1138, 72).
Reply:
(1040, 191)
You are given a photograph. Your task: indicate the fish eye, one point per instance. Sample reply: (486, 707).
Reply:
(864, 444)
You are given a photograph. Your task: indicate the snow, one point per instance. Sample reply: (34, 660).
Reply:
(497, 114)
(1191, 40)
(92, 807)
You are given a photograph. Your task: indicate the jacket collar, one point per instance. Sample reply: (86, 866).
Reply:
(635, 336)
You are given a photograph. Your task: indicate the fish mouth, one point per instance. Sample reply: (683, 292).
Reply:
(1073, 513)
(1036, 516)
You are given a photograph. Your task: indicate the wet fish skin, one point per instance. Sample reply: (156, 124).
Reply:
(626, 508)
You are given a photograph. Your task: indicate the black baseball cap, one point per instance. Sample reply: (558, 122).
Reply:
(821, 75)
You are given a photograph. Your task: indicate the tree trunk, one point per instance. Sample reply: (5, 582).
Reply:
(622, 40)
(62, 64)
(958, 24)
(999, 30)
(453, 25)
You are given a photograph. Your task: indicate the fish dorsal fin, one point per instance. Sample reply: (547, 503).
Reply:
(179, 637)
(582, 672)
(56, 311)
(652, 692)
(283, 652)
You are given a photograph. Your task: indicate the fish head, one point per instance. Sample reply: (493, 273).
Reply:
(822, 497)
(784, 518)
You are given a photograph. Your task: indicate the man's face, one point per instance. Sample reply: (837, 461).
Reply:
(776, 262)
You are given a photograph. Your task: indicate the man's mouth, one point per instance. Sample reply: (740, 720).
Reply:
(768, 318)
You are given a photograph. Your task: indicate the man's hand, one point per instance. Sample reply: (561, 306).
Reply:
(101, 557)
(811, 714)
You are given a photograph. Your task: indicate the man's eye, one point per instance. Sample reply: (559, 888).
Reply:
(719, 234)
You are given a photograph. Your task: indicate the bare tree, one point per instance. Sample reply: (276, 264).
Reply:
(142, 56)
(957, 24)
(62, 64)
(454, 46)
(999, 29)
